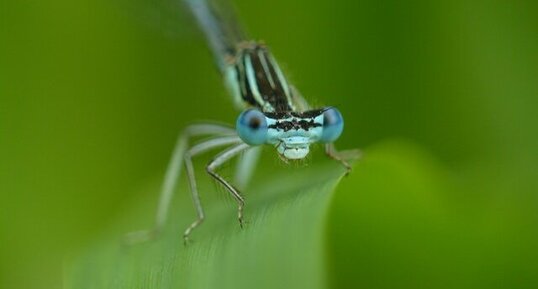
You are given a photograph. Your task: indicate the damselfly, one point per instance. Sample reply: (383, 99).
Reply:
(274, 113)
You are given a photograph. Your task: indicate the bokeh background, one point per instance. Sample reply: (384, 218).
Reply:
(94, 92)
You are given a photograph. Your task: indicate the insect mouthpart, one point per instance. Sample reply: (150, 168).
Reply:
(294, 148)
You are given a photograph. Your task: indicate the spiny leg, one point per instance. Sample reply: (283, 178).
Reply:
(172, 174)
(216, 163)
(194, 151)
(343, 156)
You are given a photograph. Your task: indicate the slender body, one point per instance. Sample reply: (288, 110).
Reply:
(274, 113)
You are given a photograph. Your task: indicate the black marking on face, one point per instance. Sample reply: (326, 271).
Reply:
(295, 124)
(288, 114)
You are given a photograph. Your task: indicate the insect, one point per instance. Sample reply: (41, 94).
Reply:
(274, 113)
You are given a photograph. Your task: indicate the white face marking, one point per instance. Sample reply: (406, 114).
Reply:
(294, 148)
(294, 143)
(296, 153)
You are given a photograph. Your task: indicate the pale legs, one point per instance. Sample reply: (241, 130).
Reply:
(221, 136)
(342, 156)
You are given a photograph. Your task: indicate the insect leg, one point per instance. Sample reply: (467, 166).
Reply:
(172, 175)
(196, 150)
(343, 157)
(216, 163)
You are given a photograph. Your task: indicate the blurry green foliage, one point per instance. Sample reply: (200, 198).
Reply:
(404, 221)
(93, 93)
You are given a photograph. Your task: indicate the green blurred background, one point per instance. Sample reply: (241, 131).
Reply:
(93, 94)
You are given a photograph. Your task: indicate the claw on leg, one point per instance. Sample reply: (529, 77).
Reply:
(240, 215)
(188, 231)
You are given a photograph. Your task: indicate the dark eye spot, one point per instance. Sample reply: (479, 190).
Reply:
(254, 122)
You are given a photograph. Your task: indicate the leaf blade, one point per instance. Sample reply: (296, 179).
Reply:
(281, 247)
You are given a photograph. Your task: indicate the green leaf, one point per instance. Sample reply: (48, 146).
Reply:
(280, 247)
(398, 219)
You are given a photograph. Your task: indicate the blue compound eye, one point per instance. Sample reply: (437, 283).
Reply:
(333, 124)
(251, 126)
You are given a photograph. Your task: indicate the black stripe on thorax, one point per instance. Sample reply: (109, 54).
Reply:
(273, 93)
